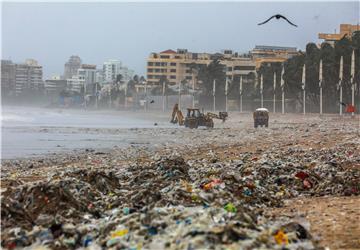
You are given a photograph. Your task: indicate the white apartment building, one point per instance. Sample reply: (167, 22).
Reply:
(76, 83)
(111, 70)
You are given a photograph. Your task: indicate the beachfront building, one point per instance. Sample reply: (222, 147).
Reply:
(346, 30)
(71, 67)
(269, 54)
(28, 77)
(76, 84)
(112, 68)
(54, 86)
(99, 76)
(178, 65)
(174, 65)
(7, 78)
(88, 72)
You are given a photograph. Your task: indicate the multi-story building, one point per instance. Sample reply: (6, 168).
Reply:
(76, 84)
(111, 69)
(127, 74)
(54, 86)
(263, 54)
(88, 72)
(28, 76)
(7, 77)
(178, 65)
(346, 30)
(99, 76)
(71, 67)
(174, 65)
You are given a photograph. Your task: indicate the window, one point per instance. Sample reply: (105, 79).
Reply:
(188, 71)
(150, 70)
(172, 77)
(229, 68)
(188, 77)
(177, 57)
(165, 57)
(157, 64)
(172, 64)
(150, 63)
(173, 70)
(163, 64)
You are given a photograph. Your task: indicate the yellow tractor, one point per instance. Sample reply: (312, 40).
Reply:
(194, 118)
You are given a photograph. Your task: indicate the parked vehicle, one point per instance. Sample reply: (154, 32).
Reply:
(261, 117)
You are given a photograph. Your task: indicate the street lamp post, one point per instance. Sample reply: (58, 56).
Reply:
(261, 91)
(274, 98)
(163, 96)
(96, 95)
(193, 94)
(179, 95)
(340, 83)
(214, 93)
(240, 92)
(226, 94)
(353, 81)
(146, 99)
(282, 84)
(320, 85)
(303, 87)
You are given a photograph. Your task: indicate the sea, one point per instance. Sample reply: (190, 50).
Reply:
(32, 131)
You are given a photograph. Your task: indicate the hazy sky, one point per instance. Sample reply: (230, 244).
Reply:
(52, 32)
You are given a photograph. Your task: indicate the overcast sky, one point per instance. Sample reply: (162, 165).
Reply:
(52, 32)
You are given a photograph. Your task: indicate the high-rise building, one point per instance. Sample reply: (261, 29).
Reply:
(7, 77)
(28, 76)
(99, 76)
(88, 72)
(127, 74)
(72, 66)
(111, 69)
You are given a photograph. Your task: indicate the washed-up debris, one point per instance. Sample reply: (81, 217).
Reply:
(172, 201)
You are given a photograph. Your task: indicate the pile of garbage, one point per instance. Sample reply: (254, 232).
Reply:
(170, 203)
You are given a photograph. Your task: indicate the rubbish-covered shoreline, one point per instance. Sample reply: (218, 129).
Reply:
(203, 189)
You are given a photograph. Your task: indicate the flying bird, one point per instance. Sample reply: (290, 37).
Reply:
(277, 16)
(344, 104)
(152, 101)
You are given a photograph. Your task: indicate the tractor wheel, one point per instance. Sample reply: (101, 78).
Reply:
(192, 124)
(255, 125)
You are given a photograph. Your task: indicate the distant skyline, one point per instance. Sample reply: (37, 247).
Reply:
(51, 32)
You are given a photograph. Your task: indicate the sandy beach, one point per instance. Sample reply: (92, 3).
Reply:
(272, 175)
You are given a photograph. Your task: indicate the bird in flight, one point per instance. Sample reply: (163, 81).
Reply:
(277, 16)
